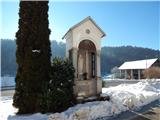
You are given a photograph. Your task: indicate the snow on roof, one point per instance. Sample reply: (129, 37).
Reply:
(138, 64)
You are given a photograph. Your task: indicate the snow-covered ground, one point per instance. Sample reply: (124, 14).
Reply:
(7, 112)
(123, 97)
(7, 81)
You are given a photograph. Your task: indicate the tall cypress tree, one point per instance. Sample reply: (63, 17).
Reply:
(32, 56)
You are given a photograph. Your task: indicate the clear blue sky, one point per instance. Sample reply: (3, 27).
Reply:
(125, 23)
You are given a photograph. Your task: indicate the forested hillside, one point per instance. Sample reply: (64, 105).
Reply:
(110, 56)
(8, 58)
(115, 56)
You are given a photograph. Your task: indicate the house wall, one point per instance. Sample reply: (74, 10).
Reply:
(69, 41)
(132, 74)
(79, 34)
(156, 64)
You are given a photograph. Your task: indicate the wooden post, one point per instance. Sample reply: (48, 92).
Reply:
(139, 74)
(131, 74)
(120, 74)
(125, 74)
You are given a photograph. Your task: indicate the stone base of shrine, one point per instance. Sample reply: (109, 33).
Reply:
(88, 88)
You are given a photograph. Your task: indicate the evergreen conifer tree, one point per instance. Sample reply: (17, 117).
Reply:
(61, 93)
(32, 56)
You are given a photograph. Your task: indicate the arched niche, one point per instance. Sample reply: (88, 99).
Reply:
(86, 60)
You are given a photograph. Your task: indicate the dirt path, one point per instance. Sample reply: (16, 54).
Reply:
(152, 114)
(7, 93)
(147, 112)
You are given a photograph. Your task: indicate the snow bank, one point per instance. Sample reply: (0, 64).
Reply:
(135, 95)
(7, 111)
(89, 111)
(6, 108)
(123, 97)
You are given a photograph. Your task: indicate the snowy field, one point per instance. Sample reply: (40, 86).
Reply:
(123, 98)
(7, 81)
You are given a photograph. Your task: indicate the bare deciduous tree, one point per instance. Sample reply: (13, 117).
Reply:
(153, 72)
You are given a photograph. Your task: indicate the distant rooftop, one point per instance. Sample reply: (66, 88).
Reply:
(138, 64)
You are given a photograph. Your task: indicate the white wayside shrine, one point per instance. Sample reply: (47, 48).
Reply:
(83, 47)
